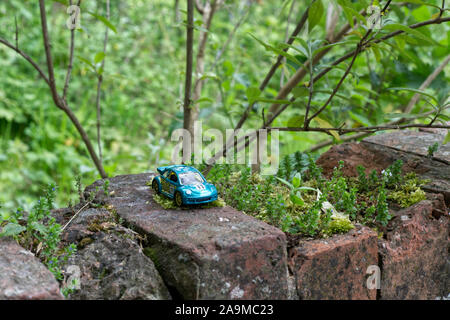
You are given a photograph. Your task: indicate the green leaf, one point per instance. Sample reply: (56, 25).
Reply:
(252, 94)
(419, 2)
(316, 12)
(99, 57)
(296, 121)
(285, 182)
(297, 180)
(408, 30)
(90, 64)
(300, 91)
(332, 45)
(359, 119)
(296, 199)
(105, 21)
(39, 227)
(278, 51)
(325, 124)
(376, 53)
(12, 229)
(204, 99)
(274, 101)
(447, 138)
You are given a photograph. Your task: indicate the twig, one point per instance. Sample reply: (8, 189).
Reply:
(51, 73)
(310, 87)
(341, 81)
(50, 80)
(200, 8)
(274, 67)
(360, 129)
(99, 86)
(338, 86)
(61, 104)
(28, 58)
(426, 83)
(208, 14)
(75, 215)
(231, 35)
(302, 72)
(189, 58)
(17, 33)
(325, 71)
(288, 24)
(71, 51)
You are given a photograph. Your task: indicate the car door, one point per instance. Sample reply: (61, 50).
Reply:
(173, 182)
(165, 184)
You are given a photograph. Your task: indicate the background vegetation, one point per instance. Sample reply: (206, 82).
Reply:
(144, 73)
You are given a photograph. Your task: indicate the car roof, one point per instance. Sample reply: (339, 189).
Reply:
(181, 168)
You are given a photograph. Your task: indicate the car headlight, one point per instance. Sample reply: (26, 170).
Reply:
(188, 192)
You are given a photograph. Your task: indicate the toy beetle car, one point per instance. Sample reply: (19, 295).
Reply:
(184, 184)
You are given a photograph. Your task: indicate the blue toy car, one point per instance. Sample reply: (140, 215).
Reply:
(184, 184)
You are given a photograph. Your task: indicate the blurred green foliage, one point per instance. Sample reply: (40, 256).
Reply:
(144, 82)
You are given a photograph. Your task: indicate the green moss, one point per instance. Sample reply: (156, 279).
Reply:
(409, 192)
(153, 255)
(338, 225)
(167, 203)
(407, 199)
(164, 202)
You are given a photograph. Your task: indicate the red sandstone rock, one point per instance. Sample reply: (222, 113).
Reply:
(216, 253)
(23, 276)
(413, 142)
(335, 268)
(379, 153)
(414, 254)
(415, 261)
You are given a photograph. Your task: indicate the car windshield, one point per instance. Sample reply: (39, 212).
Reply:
(190, 178)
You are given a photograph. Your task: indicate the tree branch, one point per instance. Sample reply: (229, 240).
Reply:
(200, 8)
(208, 14)
(286, 39)
(301, 72)
(278, 110)
(426, 83)
(360, 129)
(231, 35)
(71, 50)
(51, 73)
(99, 86)
(27, 58)
(408, 109)
(274, 67)
(189, 58)
(60, 103)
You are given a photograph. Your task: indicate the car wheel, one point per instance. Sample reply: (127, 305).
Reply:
(178, 199)
(155, 186)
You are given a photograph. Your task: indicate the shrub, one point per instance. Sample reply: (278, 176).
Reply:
(38, 232)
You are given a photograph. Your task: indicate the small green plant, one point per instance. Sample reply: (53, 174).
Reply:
(433, 149)
(382, 210)
(79, 187)
(70, 288)
(392, 176)
(373, 179)
(106, 187)
(362, 178)
(296, 189)
(39, 233)
(291, 164)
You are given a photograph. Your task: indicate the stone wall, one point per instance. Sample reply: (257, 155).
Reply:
(132, 248)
